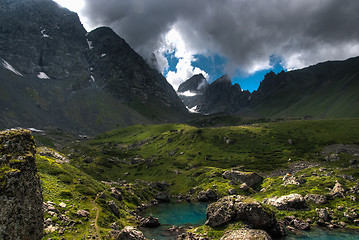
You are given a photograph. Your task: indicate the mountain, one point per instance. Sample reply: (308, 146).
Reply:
(325, 90)
(53, 74)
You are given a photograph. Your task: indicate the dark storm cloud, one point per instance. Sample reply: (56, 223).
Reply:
(246, 32)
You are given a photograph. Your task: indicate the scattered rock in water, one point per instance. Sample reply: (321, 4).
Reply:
(250, 178)
(317, 199)
(289, 202)
(246, 234)
(243, 209)
(130, 233)
(150, 222)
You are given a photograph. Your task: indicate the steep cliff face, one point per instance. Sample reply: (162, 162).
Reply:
(54, 74)
(21, 214)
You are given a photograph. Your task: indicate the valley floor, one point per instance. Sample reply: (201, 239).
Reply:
(301, 171)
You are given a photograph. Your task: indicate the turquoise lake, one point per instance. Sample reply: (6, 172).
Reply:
(194, 214)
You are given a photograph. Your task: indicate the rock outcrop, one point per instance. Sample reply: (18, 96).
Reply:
(130, 233)
(150, 222)
(249, 211)
(246, 234)
(21, 214)
(250, 178)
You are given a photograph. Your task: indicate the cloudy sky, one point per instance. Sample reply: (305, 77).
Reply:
(244, 38)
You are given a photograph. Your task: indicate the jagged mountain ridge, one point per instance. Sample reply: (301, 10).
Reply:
(68, 78)
(325, 90)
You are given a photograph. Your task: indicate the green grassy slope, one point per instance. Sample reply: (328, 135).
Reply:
(181, 154)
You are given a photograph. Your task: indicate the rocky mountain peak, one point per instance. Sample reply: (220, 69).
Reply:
(197, 83)
(68, 78)
(39, 36)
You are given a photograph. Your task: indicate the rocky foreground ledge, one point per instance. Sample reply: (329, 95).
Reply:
(21, 214)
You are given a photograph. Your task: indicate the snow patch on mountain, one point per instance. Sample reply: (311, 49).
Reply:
(90, 44)
(103, 55)
(42, 75)
(7, 65)
(193, 110)
(43, 33)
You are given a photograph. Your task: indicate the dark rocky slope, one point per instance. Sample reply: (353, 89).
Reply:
(69, 79)
(21, 215)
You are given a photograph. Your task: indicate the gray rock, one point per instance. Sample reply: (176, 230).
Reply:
(208, 195)
(163, 197)
(289, 202)
(246, 234)
(130, 233)
(318, 199)
(83, 213)
(150, 222)
(202, 196)
(338, 190)
(323, 214)
(243, 209)
(250, 178)
(21, 202)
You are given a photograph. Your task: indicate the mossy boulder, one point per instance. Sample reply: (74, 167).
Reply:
(246, 210)
(250, 178)
(21, 201)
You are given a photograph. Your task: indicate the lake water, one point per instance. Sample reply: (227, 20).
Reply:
(174, 214)
(318, 234)
(194, 214)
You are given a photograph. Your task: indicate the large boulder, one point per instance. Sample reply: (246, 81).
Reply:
(163, 197)
(288, 202)
(21, 202)
(150, 222)
(243, 209)
(209, 195)
(246, 234)
(250, 178)
(130, 233)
